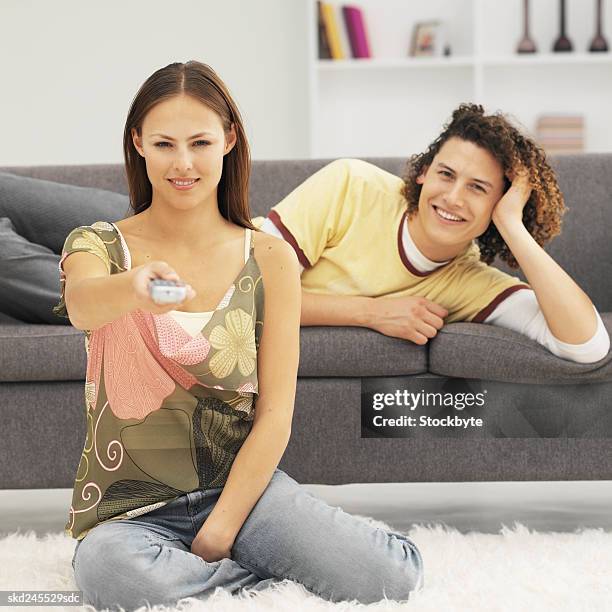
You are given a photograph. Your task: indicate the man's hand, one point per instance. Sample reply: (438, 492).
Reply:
(412, 318)
(212, 544)
(509, 209)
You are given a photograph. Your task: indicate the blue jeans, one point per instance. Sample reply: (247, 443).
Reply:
(288, 534)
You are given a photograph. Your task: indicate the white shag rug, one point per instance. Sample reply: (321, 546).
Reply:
(512, 571)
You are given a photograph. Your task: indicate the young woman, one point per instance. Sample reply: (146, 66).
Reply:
(404, 257)
(189, 405)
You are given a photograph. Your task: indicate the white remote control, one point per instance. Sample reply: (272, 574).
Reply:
(167, 291)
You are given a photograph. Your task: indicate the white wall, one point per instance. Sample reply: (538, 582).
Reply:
(70, 69)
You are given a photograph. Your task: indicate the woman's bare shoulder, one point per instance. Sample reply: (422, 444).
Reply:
(127, 225)
(267, 244)
(274, 254)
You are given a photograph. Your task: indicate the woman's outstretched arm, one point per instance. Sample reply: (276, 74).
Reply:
(569, 313)
(277, 364)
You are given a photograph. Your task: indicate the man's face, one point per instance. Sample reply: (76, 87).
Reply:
(459, 192)
(182, 138)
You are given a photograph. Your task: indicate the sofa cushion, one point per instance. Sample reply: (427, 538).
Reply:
(29, 278)
(44, 212)
(488, 352)
(357, 352)
(49, 352)
(41, 352)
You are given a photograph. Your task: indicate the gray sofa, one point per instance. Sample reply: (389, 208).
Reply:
(549, 419)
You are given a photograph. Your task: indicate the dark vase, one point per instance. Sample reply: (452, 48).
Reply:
(599, 42)
(526, 45)
(563, 43)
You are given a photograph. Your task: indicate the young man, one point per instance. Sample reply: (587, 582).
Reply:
(405, 256)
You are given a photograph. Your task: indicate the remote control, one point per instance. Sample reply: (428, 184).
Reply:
(167, 291)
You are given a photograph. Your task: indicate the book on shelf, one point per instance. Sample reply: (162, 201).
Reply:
(342, 32)
(332, 30)
(324, 48)
(355, 27)
(560, 133)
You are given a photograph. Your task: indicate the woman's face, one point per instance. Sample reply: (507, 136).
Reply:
(459, 191)
(183, 139)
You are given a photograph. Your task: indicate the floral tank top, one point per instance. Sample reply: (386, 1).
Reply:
(167, 411)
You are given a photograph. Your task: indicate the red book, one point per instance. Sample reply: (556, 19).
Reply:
(355, 26)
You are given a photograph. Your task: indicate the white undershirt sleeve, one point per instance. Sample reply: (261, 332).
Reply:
(521, 312)
(269, 228)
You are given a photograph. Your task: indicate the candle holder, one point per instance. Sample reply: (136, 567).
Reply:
(563, 43)
(599, 43)
(526, 44)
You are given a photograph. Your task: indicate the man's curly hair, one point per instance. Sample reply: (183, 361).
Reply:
(513, 150)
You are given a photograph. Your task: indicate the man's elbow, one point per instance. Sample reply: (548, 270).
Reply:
(599, 353)
(595, 354)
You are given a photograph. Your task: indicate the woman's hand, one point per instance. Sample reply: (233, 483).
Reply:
(212, 544)
(509, 209)
(144, 274)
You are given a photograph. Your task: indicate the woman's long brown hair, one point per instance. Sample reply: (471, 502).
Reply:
(202, 83)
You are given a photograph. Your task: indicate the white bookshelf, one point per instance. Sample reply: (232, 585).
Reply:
(394, 104)
(402, 62)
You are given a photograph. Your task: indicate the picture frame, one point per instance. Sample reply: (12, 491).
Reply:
(428, 39)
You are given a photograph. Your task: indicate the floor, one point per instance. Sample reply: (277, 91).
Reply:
(473, 506)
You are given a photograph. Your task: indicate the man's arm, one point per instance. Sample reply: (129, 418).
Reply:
(522, 313)
(320, 309)
(411, 318)
(568, 310)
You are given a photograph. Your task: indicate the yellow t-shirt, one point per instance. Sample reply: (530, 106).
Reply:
(345, 223)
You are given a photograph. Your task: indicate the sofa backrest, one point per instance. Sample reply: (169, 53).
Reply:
(584, 248)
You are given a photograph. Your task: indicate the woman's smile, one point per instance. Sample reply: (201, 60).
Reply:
(183, 185)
